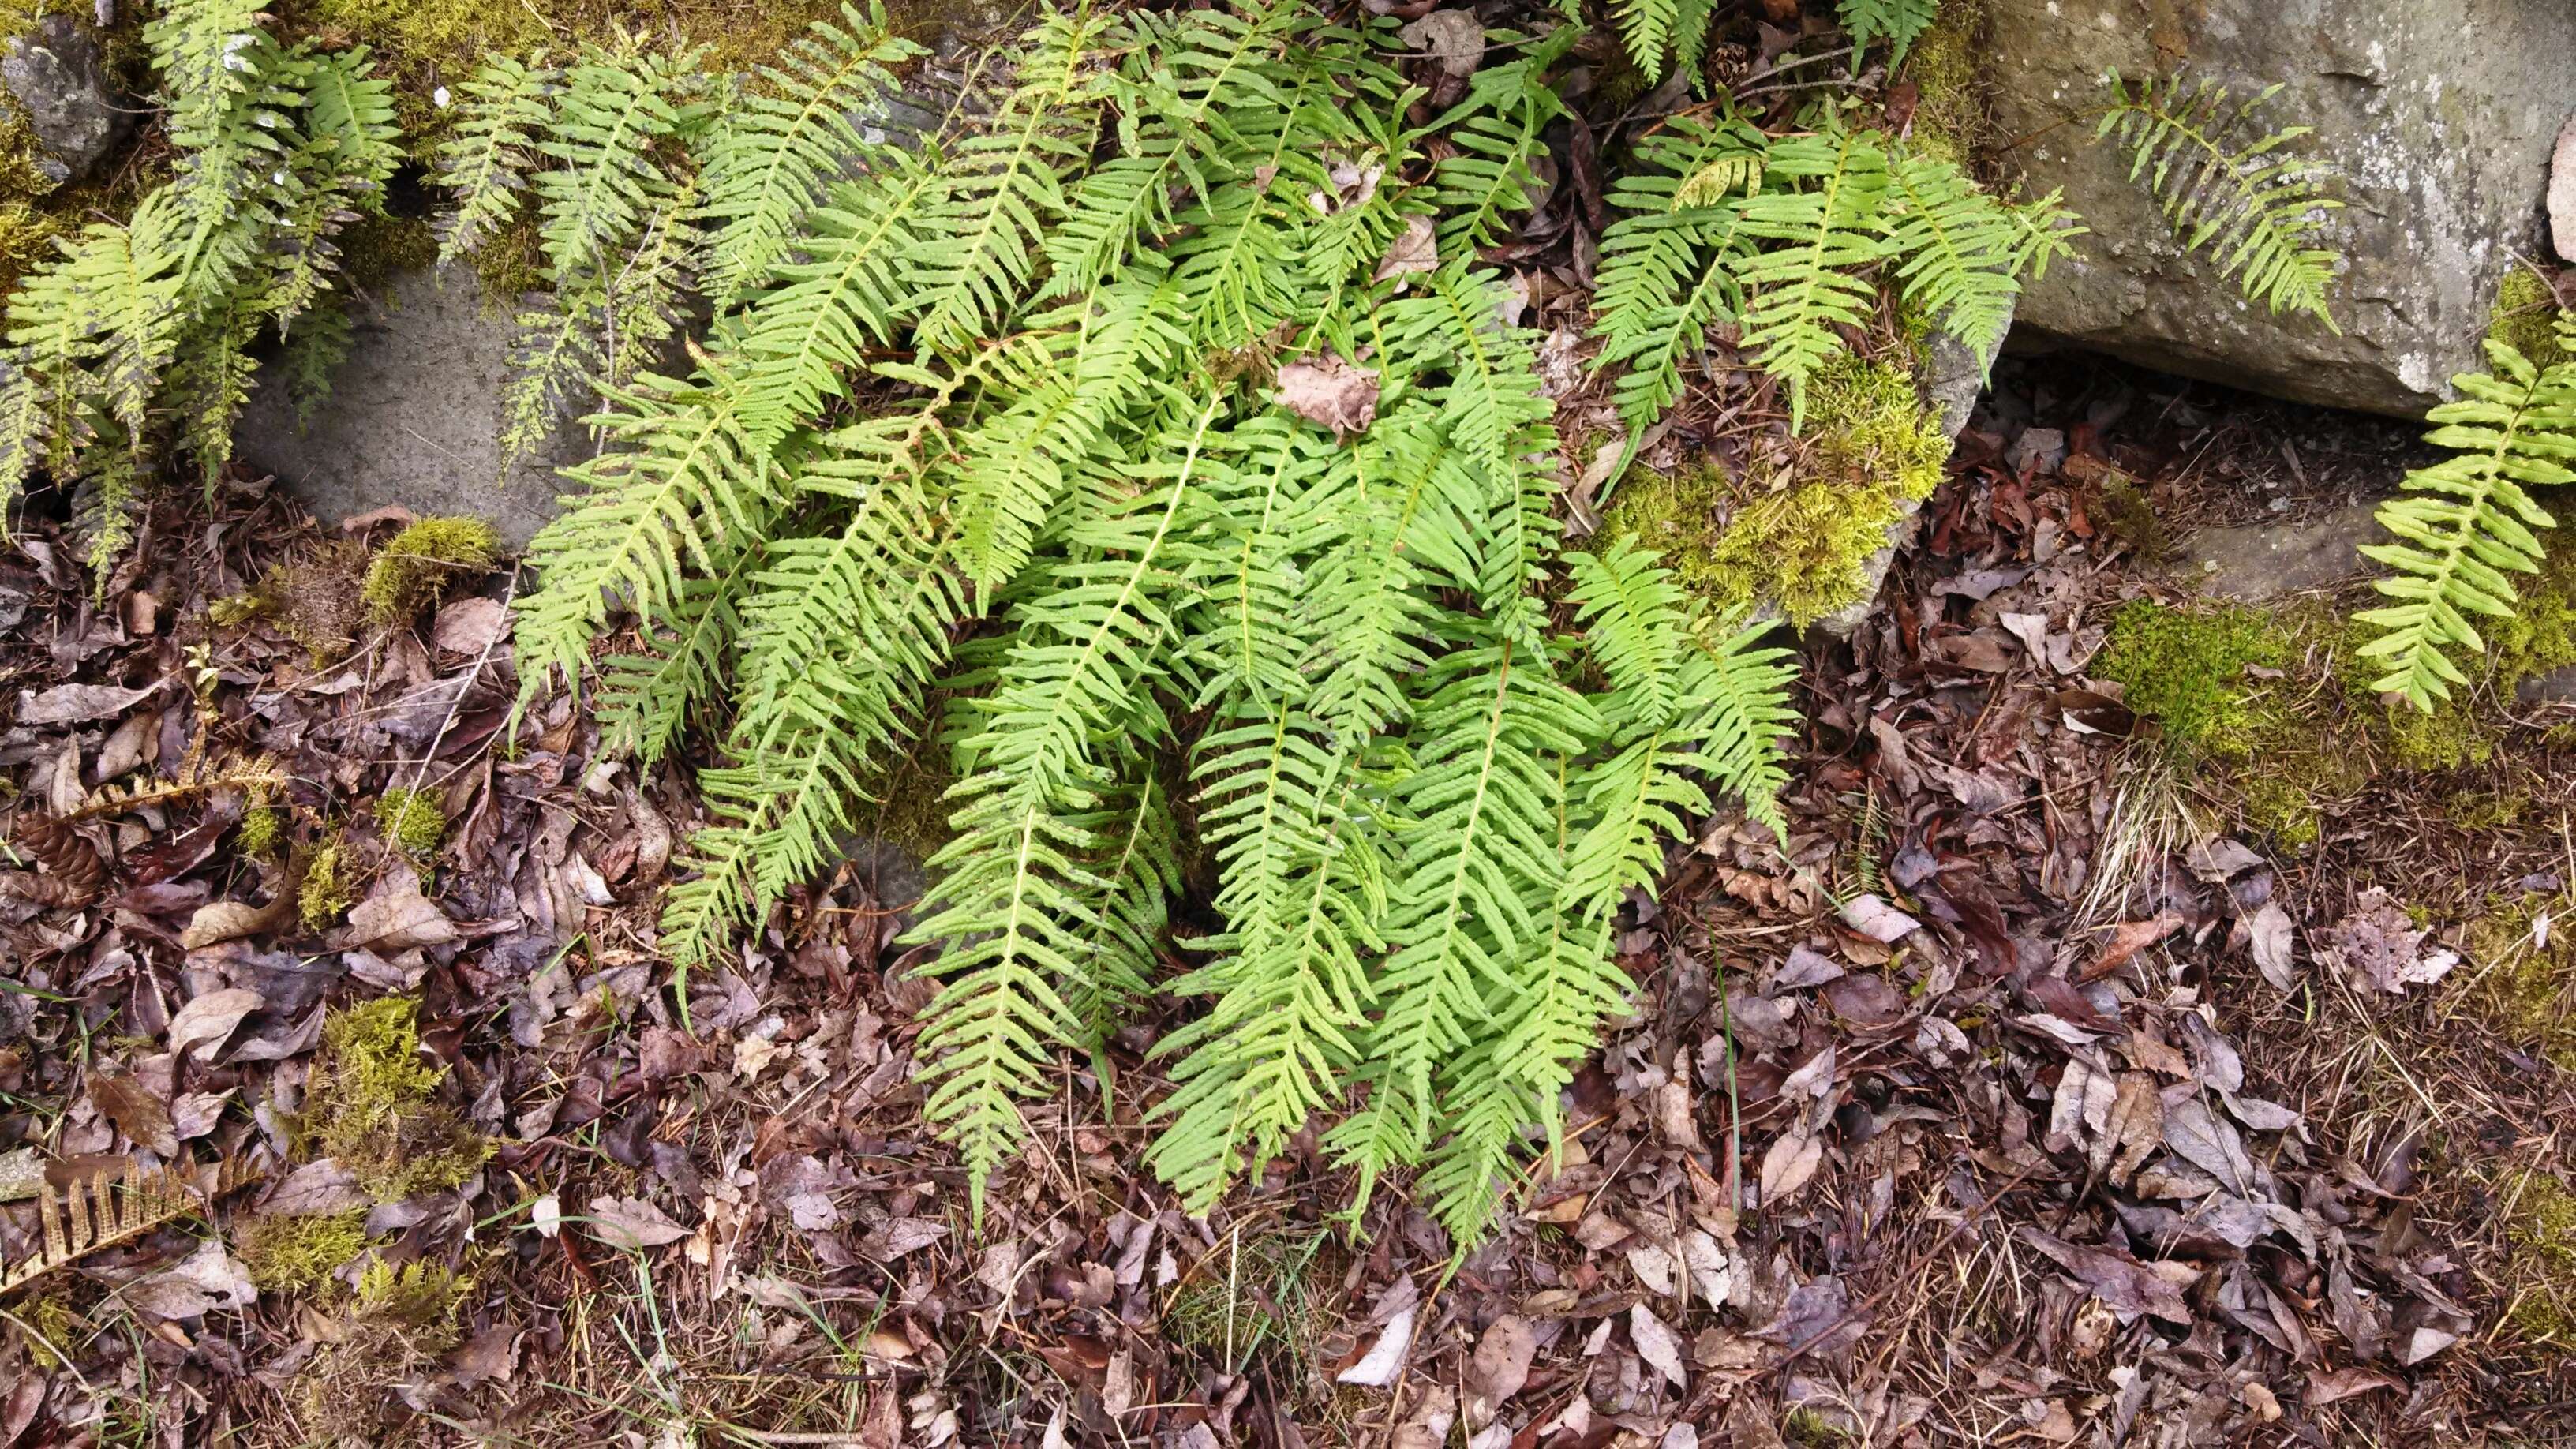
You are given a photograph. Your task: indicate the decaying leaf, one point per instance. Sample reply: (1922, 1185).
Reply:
(1331, 393)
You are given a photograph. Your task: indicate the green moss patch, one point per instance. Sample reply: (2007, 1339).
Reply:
(2526, 317)
(1874, 450)
(413, 821)
(371, 1106)
(2188, 670)
(1950, 116)
(2540, 1224)
(292, 1254)
(416, 566)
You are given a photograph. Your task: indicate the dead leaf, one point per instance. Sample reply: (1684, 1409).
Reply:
(209, 1019)
(1873, 917)
(2336, 1384)
(2135, 1130)
(2381, 946)
(1452, 37)
(1498, 1368)
(216, 922)
(1415, 249)
(396, 919)
(1385, 1358)
(2269, 934)
(204, 1281)
(1330, 393)
(1658, 1345)
(2128, 939)
(1789, 1163)
(630, 1224)
(74, 703)
(1806, 967)
(490, 1356)
(2125, 1285)
(470, 626)
(900, 1236)
(142, 1117)
(318, 1187)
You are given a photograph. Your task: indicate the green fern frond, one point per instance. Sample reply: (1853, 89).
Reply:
(2464, 525)
(1963, 252)
(485, 161)
(1899, 21)
(1803, 290)
(1670, 267)
(771, 158)
(2226, 188)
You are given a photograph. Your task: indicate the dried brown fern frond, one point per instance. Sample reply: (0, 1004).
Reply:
(258, 776)
(115, 1204)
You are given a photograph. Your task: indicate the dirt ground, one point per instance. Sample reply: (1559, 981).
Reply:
(2025, 1094)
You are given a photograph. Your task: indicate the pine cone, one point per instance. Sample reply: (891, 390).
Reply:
(68, 868)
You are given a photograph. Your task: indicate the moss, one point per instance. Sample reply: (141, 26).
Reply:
(2487, 809)
(2521, 989)
(372, 1107)
(906, 799)
(326, 891)
(263, 830)
(400, 1318)
(2526, 316)
(2187, 669)
(413, 821)
(377, 247)
(1950, 116)
(2131, 517)
(312, 597)
(56, 1325)
(2285, 809)
(291, 1254)
(416, 565)
(2541, 1227)
(1875, 449)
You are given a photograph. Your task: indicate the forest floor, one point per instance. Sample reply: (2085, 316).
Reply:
(2024, 1095)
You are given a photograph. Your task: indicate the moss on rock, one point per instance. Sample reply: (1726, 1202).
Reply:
(1950, 116)
(2526, 317)
(1874, 452)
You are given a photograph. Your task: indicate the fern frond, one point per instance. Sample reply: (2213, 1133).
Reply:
(1900, 21)
(611, 113)
(771, 158)
(1004, 189)
(2464, 525)
(1496, 131)
(2224, 188)
(1803, 290)
(112, 1206)
(485, 161)
(1669, 268)
(1019, 900)
(1963, 252)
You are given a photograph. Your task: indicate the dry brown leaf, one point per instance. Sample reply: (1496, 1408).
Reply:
(1331, 393)
(75, 703)
(632, 1223)
(1499, 1366)
(396, 919)
(2125, 1285)
(1415, 249)
(209, 1019)
(141, 1116)
(1789, 1164)
(470, 626)
(1657, 1345)
(2269, 934)
(216, 922)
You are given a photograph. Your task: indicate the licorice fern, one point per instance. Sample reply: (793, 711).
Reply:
(1901, 22)
(139, 338)
(2464, 525)
(2227, 186)
(995, 433)
(1791, 239)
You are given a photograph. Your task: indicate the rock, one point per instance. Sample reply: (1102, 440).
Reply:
(1952, 379)
(2440, 116)
(2253, 563)
(414, 416)
(57, 72)
(2562, 193)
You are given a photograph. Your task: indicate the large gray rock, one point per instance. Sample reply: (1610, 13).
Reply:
(2439, 114)
(414, 416)
(57, 72)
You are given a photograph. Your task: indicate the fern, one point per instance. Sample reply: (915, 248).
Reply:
(994, 426)
(486, 158)
(772, 156)
(1802, 290)
(1900, 21)
(2464, 525)
(2227, 187)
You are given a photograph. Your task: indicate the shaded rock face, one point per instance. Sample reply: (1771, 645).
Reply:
(58, 75)
(414, 416)
(2439, 115)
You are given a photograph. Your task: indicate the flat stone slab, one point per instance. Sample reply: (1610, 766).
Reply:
(414, 417)
(2254, 563)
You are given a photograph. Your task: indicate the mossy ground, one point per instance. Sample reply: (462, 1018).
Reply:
(1873, 450)
(2540, 1226)
(413, 821)
(2525, 974)
(1951, 119)
(327, 888)
(400, 1318)
(298, 1254)
(372, 1105)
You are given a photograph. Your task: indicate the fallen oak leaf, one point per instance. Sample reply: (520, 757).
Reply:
(2126, 1286)
(208, 1020)
(2127, 940)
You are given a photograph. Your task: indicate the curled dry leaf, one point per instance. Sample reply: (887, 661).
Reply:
(1331, 393)
(632, 1223)
(209, 1019)
(1873, 917)
(1378, 1367)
